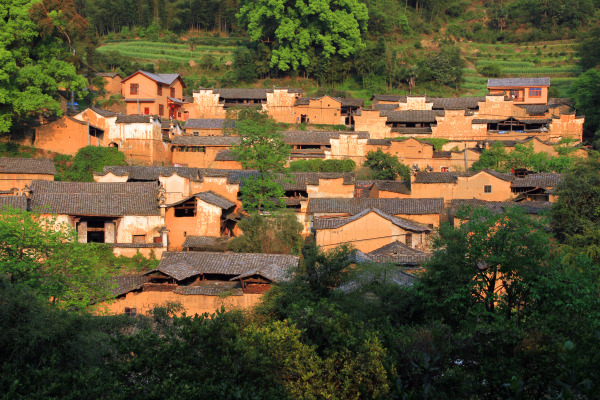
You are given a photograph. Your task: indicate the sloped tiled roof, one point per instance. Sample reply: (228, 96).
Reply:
(362, 188)
(409, 116)
(18, 202)
(456, 103)
(225, 155)
(167, 124)
(209, 197)
(393, 186)
(206, 140)
(135, 119)
(104, 113)
(205, 241)
(255, 94)
(141, 173)
(545, 180)
(334, 223)
(509, 82)
(166, 79)
(388, 206)
(211, 288)
(530, 207)
(10, 165)
(123, 284)
(379, 142)
(538, 109)
(107, 74)
(395, 247)
(209, 123)
(92, 198)
(190, 263)
(272, 272)
(388, 97)
(399, 253)
(308, 137)
(452, 176)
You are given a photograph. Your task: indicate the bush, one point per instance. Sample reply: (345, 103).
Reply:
(86, 161)
(490, 70)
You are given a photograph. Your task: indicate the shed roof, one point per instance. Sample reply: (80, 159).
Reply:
(18, 202)
(334, 223)
(136, 119)
(409, 116)
(225, 155)
(388, 206)
(211, 288)
(107, 74)
(510, 82)
(44, 166)
(209, 123)
(452, 176)
(206, 140)
(545, 180)
(205, 241)
(209, 197)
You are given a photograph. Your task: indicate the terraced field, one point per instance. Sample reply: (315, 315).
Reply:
(154, 51)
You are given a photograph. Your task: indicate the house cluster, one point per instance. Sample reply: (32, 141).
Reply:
(186, 214)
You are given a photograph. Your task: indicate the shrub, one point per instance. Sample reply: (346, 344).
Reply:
(490, 70)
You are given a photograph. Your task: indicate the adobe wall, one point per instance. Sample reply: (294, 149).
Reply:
(147, 225)
(321, 111)
(18, 181)
(371, 122)
(458, 159)
(206, 222)
(375, 193)
(226, 165)
(113, 85)
(144, 301)
(415, 103)
(431, 220)
(348, 145)
(63, 136)
(280, 106)
(111, 131)
(147, 89)
(177, 187)
(566, 126)
(454, 125)
(196, 159)
(366, 234)
(465, 188)
(218, 185)
(204, 132)
(206, 105)
(330, 188)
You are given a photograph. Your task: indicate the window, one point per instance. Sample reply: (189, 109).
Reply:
(487, 189)
(408, 241)
(159, 90)
(157, 239)
(131, 312)
(133, 88)
(535, 92)
(139, 239)
(161, 109)
(173, 92)
(179, 114)
(430, 226)
(514, 94)
(146, 110)
(196, 134)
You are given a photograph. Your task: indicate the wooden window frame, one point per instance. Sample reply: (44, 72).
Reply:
(173, 92)
(161, 109)
(159, 90)
(134, 88)
(408, 239)
(486, 187)
(535, 92)
(134, 241)
(130, 311)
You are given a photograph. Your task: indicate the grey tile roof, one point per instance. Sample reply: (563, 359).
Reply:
(205, 241)
(409, 116)
(486, 121)
(386, 107)
(413, 131)
(393, 186)
(388, 206)
(208, 123)
(388, 97)
(545, 180)
(272, 272)
(296, 180)
(104, 113)
(379, 142)
(452, 176)
(27, 166)
(18, 202)
(537, 109)
(135, 119)
(225, 155)
(167, 124)
(107, 74)
(140, 173)
(334, 223)
(206, 140)
(209, 197)
(123, 284)
(166, 79)
(395, 247)
(91, 198)
(211, 288)
(255, 94)
(530, 207)
(456, 103)
(509, 82)
(442, 154)
(399, 253)
(191, 263)
(362, 188)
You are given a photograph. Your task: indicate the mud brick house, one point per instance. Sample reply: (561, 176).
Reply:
(205, 127)
(399, 253)
(214, 103)
(521, 90)
(467, 119)
(378, 189)
(202, 214)
(16, 202)
(484, 185)
(170, 129)
(202, 282)
(369, 230)
(428, 212)
(535, 187)
(325, 110)
(205, 243)
(533, 208)
(17, 173)
(67, 135)
(147, 93)
(112, 82)
(124, 215)
(200, 151)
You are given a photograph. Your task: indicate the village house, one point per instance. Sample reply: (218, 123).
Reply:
(17, 173)
(205, 243)
(378, 189)
(369, 230)
(484, 185)
(67, 135)
(400, 254)
(147, 93)
(326, 110)
(112, 82)
(202, 282)
(468, 120)
(533, 208)
(126, 216)
(535, 186)
(205, 127)
(521, 90)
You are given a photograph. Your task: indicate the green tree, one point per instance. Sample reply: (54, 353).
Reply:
(276, 233)
(490, 70)
(294, 27)
(585, 91)
(45, 255)
(577, 209)
(263, 149)
(589, 50)
(445, 68)
(33, 66)
(386, 166)
(88, 159)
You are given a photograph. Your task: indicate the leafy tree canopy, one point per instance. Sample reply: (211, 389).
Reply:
(33, 67)
(88, 159)
(386, 166)
(318, 165)
(334, 27)
(585, 91)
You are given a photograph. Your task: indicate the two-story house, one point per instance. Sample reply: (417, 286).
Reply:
(522, 90)
(157, 94)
